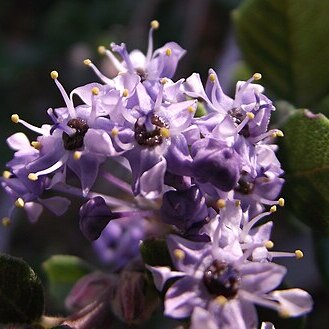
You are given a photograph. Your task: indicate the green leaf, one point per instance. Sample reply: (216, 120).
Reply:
(62, 272)
(286, 41)
(21, 292)
(304, 152)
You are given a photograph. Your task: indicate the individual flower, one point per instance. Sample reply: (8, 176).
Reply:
(156, 64)
(225, 283)
(75, 140)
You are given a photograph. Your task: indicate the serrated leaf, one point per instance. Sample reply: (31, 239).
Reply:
(286, 41)
(62, 272)
(21, 292)
(304, 152)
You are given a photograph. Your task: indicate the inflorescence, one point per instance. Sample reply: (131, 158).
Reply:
(205, 184)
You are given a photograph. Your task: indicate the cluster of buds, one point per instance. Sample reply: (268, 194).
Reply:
(202, 183)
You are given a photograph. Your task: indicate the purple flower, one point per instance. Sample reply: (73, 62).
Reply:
(156, 64)
(215, 163)
(225, 283)
(184, 208)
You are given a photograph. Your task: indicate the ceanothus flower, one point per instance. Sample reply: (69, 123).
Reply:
(75, 140)
(225, 283)
(156, 64)
(151, 136)
(247, 114)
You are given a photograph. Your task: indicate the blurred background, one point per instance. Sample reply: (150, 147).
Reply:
(37, 37)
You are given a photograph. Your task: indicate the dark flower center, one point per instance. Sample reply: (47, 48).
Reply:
(141, 73)
(244, 186)
(75, 141)
(221, 279)
(153, 137)
(237, 118)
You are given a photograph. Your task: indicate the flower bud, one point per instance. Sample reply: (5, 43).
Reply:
(183, 208)
(135, 300)
(94, 216)
(215, 163)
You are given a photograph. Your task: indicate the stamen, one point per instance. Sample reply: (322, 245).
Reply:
(155, 24)
(36, 145)
(19, 203)
(164, 132)
(125, 92)
(116, 63)
(68, 102)
(191, 109)
(221, 300)
(168, 51)
(6, 174)
(249, 116)
(269, 244)
(77, 155)
(279, 133)
(237, 203)
(87, 61)
(220, 203)
(270, 134)
(105, 79)
(179, 254)
(115, 132)
(101, 50)
(33, 177)
(247, 227)
(257, 76)
(52, 168)
(6, 221)
(54, 75)
(15, 118)
(95, 91)
(299, 254)
(279, 202)
(273, 209)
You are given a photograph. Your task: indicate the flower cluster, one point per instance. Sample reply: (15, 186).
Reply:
(201, 182)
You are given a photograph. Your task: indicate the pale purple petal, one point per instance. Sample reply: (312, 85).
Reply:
(293, 302)
(182, 297)
(161, 274)
(18, 141)
(261, 277)
(201, 318)
(194, 253)
(33, 211)
(57, 204)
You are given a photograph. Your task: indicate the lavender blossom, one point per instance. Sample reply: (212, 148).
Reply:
(225, 283)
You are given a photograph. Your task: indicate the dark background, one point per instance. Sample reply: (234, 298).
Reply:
(37, 37)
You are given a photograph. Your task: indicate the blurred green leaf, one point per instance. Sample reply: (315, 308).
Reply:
(21, 292)
(286, 41)
(62, 272)
(304, 152)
